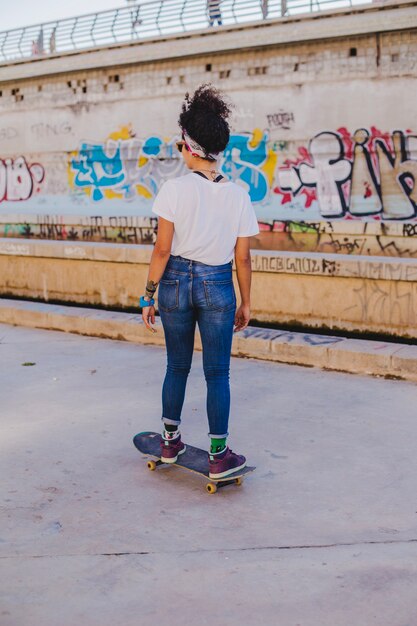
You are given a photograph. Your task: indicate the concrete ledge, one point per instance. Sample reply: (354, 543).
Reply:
(348, 237)
(332, 291)
(334, 353)
(279, 262)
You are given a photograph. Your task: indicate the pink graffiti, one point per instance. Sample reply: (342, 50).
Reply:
(18, 179)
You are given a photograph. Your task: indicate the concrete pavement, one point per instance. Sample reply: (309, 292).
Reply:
(357, 356)
(324, 533)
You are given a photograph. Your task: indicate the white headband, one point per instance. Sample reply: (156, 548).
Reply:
(196, 149)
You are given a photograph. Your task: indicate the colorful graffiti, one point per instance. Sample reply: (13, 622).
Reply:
(115, 229)
(367, 174)
(19, 180)
(123, 166)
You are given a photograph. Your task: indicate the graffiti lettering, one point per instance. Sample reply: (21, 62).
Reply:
(294, 265)
(18, 179)
(367, 174)
(50, 130)
(8, 132)
(248, 159)
(282, 119)
(124, 167)
(125, 229)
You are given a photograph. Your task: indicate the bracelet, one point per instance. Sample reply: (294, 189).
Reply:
(151, 287)
(144, 303)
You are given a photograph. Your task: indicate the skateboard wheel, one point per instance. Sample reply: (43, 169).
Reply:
(151, 465)
(211, 488)
(239, 480)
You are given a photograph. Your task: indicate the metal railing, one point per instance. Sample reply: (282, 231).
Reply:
(147, 20)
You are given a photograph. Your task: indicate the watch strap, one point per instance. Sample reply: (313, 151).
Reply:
(144, 303)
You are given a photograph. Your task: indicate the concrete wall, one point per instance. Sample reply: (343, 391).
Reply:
(316, 290)
(324, 129)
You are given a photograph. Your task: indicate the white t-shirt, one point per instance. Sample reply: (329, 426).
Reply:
(208, 217)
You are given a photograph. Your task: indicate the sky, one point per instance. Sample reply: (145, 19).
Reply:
(27, 12)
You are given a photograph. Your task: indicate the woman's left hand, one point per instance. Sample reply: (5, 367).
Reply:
(148, 316)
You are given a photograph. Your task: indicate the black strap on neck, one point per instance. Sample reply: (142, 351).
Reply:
(216, 180)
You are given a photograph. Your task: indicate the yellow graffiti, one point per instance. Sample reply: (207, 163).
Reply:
(142, 191)
(257, 137)
(110, 194)
(125, 132)
(269, 166)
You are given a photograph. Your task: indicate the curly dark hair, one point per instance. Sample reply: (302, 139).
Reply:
(204, 117)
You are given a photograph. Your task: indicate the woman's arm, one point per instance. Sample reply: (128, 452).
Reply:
(159, 260)
(244, 277)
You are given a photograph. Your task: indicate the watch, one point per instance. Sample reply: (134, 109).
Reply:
(143, 303)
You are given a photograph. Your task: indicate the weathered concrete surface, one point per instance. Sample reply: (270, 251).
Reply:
(350, 237)
(379, 293)
(322, 534)
(356, 356)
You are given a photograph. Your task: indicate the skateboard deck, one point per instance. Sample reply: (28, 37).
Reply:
(193, 459)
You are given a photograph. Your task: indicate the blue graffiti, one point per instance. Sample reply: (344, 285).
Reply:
(152, 146)
(242, 162)
(97, 169)
(115, 165)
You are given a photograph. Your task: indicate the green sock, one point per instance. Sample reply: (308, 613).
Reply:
(217, 445)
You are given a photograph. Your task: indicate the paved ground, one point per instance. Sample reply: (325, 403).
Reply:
(324, 533)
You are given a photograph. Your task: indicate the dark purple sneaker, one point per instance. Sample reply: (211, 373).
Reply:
(225, 463)
(171, 449)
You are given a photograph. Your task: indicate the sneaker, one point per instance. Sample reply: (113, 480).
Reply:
(225, 463)
(171, 449)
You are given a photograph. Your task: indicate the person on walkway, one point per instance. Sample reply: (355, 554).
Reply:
(214, 12)
(264, 8)
(204, 221)
(52, 41)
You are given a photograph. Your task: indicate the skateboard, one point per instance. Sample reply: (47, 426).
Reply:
(193, 459)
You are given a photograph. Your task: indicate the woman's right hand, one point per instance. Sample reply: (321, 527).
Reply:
(148, 316)
(242, 317)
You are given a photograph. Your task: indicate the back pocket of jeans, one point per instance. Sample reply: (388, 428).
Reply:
(168, 295)
(220, 294)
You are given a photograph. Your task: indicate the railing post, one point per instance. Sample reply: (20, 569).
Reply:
(161, 2)
(184, 4)
(2, 46)
(19, 45)
(72, 32)
(93, 25)
(233, 11)
(116, 13)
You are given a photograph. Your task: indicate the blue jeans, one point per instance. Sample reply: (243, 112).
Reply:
(191, 292)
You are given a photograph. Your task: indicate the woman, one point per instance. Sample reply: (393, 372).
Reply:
(204, 220)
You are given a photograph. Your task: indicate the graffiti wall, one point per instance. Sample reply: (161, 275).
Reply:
(367, 174)
(303, 192)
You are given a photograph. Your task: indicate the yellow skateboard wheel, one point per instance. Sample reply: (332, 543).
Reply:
(211, 488)
(151, 465)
